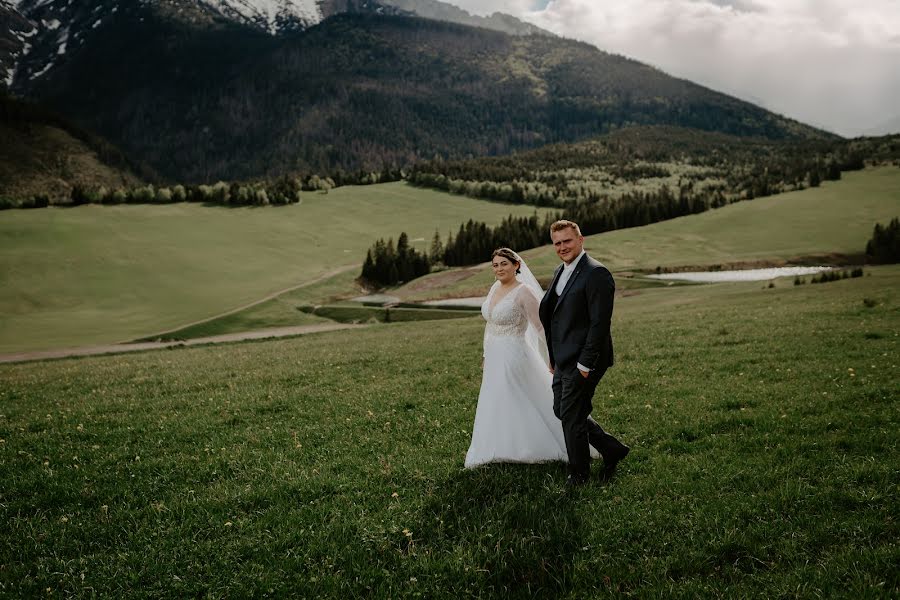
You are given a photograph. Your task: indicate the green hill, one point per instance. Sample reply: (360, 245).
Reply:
(91, 274)
(96, 274)
(819, 225)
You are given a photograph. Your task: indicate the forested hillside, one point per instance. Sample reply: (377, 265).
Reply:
(637, 176)
(43, 157)
(202, 100)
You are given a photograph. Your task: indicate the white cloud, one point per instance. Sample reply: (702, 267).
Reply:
(831, 63)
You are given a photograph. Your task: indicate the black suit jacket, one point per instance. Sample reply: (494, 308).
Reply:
(577, 322)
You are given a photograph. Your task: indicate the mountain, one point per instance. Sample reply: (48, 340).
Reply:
(270, 15)
(58, 26)
(441, 11)
(201, 91)
(15, 30)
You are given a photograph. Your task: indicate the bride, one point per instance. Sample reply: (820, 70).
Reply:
(514, 420)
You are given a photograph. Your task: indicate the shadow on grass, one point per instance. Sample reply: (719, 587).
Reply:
(502, 529)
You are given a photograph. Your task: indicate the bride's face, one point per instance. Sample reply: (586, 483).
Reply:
(504, 269)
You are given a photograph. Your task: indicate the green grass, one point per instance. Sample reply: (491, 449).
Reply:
(763, 425)
(99, 274)
(275, 313)
(280, 311)
(836, 218)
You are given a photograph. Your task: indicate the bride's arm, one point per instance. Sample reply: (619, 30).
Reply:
(531, 304)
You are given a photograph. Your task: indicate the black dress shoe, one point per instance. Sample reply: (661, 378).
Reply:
(610, 464)
(576, 480)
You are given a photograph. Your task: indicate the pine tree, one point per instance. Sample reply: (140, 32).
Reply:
(368, 270)
(437, 248)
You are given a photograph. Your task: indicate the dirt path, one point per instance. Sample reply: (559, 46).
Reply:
(143, 346)
(271, 296)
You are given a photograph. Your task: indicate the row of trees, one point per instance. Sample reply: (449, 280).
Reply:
(829, 276)
(388, 265)
(283, 190)
(475, 241)
(884, 247)
(597, 184)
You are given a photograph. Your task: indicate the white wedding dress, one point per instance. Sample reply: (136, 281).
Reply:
(514, 420)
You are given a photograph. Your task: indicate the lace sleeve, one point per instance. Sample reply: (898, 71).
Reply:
(485, 308)
(531, 303)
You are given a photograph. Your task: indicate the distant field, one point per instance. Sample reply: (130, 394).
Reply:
(837, 217)
(763, 425)
(96, 274)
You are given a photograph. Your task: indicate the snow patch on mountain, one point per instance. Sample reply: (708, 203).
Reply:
(63, 41)
(46, 68)
(272, 14)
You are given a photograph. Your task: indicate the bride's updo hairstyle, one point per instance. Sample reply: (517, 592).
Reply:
(509, 255)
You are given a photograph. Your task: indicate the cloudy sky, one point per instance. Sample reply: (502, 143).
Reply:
(830, 63)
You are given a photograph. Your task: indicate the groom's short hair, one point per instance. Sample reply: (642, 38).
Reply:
(563, 224)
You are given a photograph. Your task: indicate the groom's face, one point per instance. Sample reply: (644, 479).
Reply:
(568, 244)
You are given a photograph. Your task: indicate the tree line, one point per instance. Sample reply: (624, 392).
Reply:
(387, 265)
(283, 190)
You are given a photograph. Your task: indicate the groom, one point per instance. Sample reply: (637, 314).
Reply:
(576, 313)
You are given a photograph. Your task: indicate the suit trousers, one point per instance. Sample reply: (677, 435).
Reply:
(572, 404)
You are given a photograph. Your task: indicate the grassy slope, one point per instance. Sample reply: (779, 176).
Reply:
(42, 159)
(763, 425)
(837, 217)
(97, 274)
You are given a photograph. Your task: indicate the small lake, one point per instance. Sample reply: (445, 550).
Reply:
(377, 299)
(742, 275)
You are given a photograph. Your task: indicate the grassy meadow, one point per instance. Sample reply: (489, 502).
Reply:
(763, 424)
(101, 274)
(767, 229)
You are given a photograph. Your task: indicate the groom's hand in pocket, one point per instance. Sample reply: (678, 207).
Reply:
(584, 374)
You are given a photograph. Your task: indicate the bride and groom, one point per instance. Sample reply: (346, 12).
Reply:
(544, 354)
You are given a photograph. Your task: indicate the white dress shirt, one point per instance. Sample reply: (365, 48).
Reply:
(566, 274)
(561, 285)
